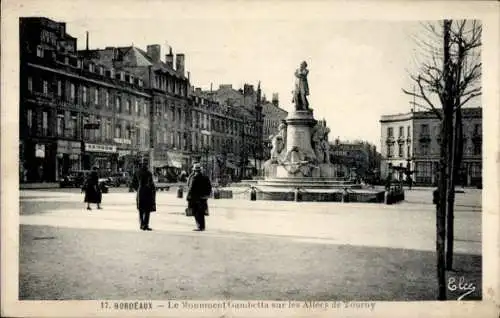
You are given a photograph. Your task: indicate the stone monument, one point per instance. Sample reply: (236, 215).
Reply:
(300, 149)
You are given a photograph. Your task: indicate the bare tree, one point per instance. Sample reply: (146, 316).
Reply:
(448, 78)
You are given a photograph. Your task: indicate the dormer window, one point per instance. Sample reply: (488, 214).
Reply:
(79, 63)
(39, 51)
(122, 76)
(101, 70)
(140, 83)
(66, 60)
(91, 67)
(112, 73)
(131, 80)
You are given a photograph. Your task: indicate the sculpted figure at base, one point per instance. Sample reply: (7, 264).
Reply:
(301, 88)
(278, 144)
(320, 144)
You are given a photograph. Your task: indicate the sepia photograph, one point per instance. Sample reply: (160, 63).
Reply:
(170, 158)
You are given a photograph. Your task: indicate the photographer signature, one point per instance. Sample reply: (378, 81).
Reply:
(461, 285)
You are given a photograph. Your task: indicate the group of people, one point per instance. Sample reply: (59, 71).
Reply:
(199, 190)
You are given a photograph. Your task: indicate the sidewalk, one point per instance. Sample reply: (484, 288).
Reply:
(39, 185)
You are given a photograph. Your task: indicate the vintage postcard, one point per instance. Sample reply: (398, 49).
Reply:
(250, 158)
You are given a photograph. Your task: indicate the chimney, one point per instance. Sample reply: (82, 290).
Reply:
(154, 52)
(87, 40)
(169, 58)
(276, 100)
(179, 63)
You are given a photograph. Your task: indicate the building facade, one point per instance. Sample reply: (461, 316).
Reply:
(273, 117)
(74, 113)
(412, 141)
(168, 87)
(247, 103)
(358, 159)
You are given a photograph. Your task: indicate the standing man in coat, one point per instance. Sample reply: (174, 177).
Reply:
(199, 190)
(146, 195)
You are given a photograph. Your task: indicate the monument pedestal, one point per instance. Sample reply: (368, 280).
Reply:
(298, 136)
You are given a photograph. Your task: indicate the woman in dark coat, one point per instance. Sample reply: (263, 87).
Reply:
(146, 195)
(92, 191)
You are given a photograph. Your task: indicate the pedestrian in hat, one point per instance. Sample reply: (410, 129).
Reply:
(199, 190)
(92, 191)
(143, 183)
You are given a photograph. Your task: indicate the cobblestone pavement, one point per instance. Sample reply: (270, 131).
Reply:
(251, 249)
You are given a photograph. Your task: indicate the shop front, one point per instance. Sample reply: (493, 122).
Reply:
(68, 157)
(37, 161)
(103, 156)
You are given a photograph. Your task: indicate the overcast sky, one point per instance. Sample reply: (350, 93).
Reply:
(357, 68)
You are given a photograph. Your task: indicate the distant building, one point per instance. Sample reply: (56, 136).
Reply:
(169, 89)
(412, 141)
(74, 113)
(273, 116)
(248, 103)
(358, 159)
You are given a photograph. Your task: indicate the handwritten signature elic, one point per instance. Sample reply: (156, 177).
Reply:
(461, 285)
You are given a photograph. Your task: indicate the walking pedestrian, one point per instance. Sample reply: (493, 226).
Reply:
(92, 191)
(143, 183)
(199, 189)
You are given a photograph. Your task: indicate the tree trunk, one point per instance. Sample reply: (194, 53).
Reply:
(443, 179)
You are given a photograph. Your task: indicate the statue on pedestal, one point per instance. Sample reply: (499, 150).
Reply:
(301, 88)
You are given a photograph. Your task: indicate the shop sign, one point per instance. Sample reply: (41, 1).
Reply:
(123, 153)
(122, 141)
(40, 150)
(100, 148)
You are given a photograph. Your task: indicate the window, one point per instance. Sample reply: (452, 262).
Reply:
(475, 169)
(91, 67)
(136, 106)
(59, 88)
(179, 116)
(408, 132)
(390, 132)
(101, 70)
(118, 131)
(477, 130)
(72, 91)
(39, 51)
(401, 150)
(98, 131)
(45, 87)
(424, 148)
(401, 131)
(128, 108)
(29, 118)
(145, 109)
(30, 84)
(172, 140)
(408, 151)
(424, 128)
(60, 124)
(84, 95)
(118, 104)
(108, 129)
(173, 114)
(96, 96)
(477, 147)
(86, 132)
(390, 150)
(107, 98)
(45, 123)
